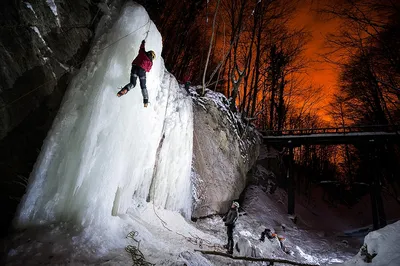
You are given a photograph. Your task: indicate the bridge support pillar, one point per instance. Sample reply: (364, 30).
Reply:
(291, 185)
(378, 212)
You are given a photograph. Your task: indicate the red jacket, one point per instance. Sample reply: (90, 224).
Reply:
(142, 60)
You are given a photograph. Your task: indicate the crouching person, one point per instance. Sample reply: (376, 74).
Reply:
(275, 239)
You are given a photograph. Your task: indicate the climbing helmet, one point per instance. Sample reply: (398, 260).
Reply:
(152, 54)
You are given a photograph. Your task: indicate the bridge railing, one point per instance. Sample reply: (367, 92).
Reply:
(336, 130)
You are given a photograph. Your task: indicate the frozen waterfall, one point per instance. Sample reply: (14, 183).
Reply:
(106, 154)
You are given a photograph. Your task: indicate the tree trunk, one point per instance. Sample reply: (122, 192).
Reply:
(209, 49)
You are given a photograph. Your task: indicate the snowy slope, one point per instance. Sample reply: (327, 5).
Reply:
(382, 247)
(270, 211)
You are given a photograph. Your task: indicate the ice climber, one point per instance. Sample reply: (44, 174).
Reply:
(140, 65)
(230, 219)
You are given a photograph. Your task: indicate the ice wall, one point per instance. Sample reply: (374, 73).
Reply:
(105, 154)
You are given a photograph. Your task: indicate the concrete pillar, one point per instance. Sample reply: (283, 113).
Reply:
(291, 185)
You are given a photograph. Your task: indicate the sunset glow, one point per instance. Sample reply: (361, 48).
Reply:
(319, 72)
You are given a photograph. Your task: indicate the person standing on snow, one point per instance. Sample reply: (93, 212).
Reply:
(140, 65)
(186, 81)
(230, 219)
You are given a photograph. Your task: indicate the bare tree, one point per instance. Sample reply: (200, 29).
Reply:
(210, 47)
(367, 52)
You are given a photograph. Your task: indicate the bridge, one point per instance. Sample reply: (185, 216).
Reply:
(370, 136)
(331, 135)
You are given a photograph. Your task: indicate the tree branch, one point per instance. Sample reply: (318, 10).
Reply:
(217, 253)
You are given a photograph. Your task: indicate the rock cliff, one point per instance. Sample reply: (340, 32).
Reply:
(224, 150)
(42, 43)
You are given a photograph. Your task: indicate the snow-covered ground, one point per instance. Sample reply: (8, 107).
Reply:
(110, 167)
(263, 211)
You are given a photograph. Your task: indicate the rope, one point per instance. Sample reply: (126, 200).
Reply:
(137, 256)
(67, 71)
(147, 32)
(152, 190)
(194, 239)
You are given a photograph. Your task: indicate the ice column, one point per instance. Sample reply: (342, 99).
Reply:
(105, 154)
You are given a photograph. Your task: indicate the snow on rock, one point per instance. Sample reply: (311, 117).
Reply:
(53, 8)
(107, 156)
(28, 5)
(224, 150)
(380, 248)
(245, 248)
(41, 38)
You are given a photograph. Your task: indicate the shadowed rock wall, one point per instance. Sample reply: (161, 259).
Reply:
(41, 44)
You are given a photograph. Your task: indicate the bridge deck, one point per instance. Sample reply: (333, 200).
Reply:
(331, 136)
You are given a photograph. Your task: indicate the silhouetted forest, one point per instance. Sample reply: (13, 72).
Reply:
(256, 60)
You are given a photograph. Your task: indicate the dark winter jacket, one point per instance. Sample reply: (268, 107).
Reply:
(231, 217)
(267, 232)
(142, 60)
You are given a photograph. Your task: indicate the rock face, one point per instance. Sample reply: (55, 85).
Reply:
(224, 150)
(41, 43)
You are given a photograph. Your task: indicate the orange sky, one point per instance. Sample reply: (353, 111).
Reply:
(319, 72)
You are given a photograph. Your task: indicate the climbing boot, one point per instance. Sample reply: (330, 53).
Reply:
(123, 91)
